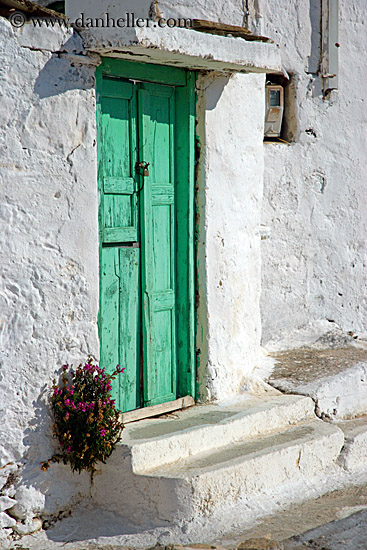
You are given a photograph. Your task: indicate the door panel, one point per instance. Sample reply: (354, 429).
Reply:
(156, 144)
(120, 327)
(119, 207)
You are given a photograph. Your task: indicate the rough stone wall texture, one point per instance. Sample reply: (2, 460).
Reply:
(49, 252)
(314, 253)
(230, 207)
(225, 11)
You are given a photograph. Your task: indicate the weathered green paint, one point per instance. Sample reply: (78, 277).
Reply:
(146, 315)
(117, 169)
(120, 303)
(185, 258)
(156, 144)
(146, 72)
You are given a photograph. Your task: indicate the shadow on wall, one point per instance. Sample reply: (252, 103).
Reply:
(52, 494)
(60, 75)
(214, 91)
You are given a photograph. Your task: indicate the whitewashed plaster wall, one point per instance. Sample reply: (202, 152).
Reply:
(229, 203)
(49, 254)
(225, 11)
(314, 252)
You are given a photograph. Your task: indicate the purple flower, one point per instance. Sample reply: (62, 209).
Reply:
(73, 405)
(71, 392)
(68, 449)
(56, 391)
(102, 432)
(67, 401)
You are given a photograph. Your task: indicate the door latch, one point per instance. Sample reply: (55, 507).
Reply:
(142, 166)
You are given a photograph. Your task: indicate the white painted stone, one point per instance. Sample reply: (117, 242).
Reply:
(184, 48)
(156, 442)
(50, 39)
(6, 503)
(49, 250)
(30, 503)
(339, 396)
(6, 521)
(222, 477)
(313, 264)
(354, 453)
(231, 11)
(229, 202)
(28, 527)
(5, 472)
(211, 483)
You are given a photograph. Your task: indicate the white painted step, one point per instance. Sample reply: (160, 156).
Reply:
(336, 379)
(215, 480)
(156, 442)
(353, 457)
(224, 475)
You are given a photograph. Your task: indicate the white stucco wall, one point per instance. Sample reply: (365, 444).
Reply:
(314, 209)
(229, 202)
(49, 252)
(232, 11)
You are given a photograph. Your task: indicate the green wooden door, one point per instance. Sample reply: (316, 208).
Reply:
(142, 259)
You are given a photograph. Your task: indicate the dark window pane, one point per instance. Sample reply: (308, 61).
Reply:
(274, 98)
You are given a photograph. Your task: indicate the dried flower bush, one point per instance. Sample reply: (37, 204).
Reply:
(86, 422)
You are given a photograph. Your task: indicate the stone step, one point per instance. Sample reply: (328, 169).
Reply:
(353, 457)
(155, 442)
(259, 465)
(242, 475)
(336, 379)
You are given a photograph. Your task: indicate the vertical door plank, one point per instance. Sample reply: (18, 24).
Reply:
(110, 311)
(129, 329)
(119, 319)
(185, 185)
(157, 118)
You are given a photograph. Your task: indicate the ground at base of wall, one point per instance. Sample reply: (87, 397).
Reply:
(337, 520)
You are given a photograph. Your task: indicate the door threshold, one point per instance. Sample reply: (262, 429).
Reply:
(155, 410)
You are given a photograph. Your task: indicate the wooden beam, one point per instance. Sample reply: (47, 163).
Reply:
(31, 7)
(222, 29)
(156, 410)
